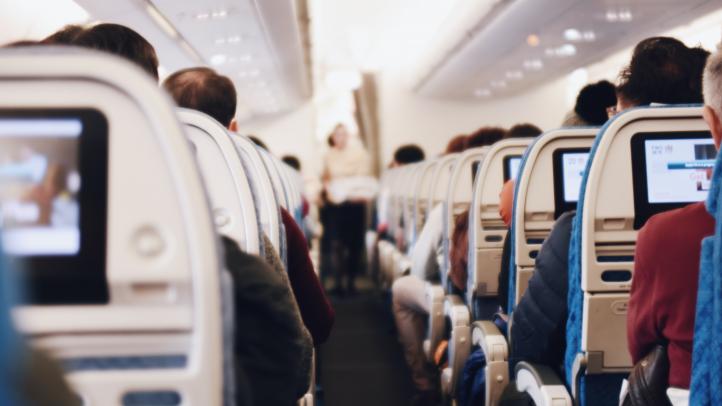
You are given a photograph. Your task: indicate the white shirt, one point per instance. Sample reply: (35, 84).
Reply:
(428, 250)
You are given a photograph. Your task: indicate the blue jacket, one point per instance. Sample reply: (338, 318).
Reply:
(539, 320)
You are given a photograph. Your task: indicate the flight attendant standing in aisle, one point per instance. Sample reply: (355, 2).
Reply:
(346, 165)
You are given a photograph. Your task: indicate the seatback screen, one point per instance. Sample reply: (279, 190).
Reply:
(569, 166)
(511, 167)
(53, 202)
(670, 170)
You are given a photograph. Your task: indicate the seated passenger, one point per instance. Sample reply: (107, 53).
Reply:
(666, 264)
(591, 107)
(204, 90)
(271, 352)
(660, 71)
(407, 154)
(410, 307)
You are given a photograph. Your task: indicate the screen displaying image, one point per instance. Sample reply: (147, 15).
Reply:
(678, 170)
(573, 166)
(513, 167)
(39, 186)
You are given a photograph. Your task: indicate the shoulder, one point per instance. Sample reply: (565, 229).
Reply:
(677, 224)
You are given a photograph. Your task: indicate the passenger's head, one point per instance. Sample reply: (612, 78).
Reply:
(204, 90)
(292, 161)
(484, 136)
(258, 142)
(523, 130)
(339, 137)
(506, 202)
(122, 41)
(594, 100)
(21, 43)
(712, 84)
(662, 70)
(456, 144)
(408, 154)
(65, 36)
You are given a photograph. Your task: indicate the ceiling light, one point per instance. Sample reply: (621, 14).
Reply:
(245, 58)
(565, 50)
(623, 15)
(482, 92)
(499, 84)
(202, 16)
(589, 36)
(533, 64)
(533, 40)
(220, 41)
(218, 59)
(219, 14)
(234, 39)
(572, 34)
(515, 75)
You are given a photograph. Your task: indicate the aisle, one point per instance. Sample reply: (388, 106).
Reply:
(362, 363)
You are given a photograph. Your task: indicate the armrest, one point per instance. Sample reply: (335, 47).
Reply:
(492, 342)
(435, 332)
(542, 384)
(457, 311)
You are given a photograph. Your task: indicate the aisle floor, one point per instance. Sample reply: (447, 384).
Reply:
(362, 362)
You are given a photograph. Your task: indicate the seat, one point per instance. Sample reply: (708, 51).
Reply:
(421, 201)
(611, 208)
(486, 228)
(705, 381)
(458, 199)
(234, 210)
(536, 177)
(155, 254)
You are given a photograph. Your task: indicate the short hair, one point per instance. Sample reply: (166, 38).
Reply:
(292, 161)
(203, 89)
(20, 43)
(456, 144)
(408, 154)
(64, 36)
(593, 101)
(258, 142)
(712, 82)
(662, 70)
(484, 136)
(122, 41)
(523, 130)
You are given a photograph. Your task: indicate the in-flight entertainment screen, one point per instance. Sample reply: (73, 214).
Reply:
(569, 166)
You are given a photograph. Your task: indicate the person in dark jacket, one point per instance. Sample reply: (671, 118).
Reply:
(539, 320)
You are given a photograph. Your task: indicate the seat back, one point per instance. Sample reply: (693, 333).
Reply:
(539, 197)
(409, 194)
(705, 384)
(486, 228)
(631, 169)
(153, 250)
(399, 179)
(234, 210)
(440, 181)
(282, 197)
(458, 199)
(267, 206)
(421, 196)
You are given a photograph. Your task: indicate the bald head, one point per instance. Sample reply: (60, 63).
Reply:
(204, 90)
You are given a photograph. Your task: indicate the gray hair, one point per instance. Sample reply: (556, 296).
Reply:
(712, 81)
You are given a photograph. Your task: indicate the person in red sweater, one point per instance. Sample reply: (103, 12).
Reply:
(666, 265)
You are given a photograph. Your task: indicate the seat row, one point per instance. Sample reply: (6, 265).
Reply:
(615, 177)
(142, 311)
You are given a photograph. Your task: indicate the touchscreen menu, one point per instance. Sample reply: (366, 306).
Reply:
(39, 186)
(678, 170)
(573, 166)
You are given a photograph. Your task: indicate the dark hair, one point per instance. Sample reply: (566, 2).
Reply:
(593, 101)
(204, 90)
(407, 154)
(662, 70)
(330, 141)
(456, 144)
(484, 136)
(258, 142)
(292, 161)
(65, 36)
(122, 41)
(20, 43)
(523, 130)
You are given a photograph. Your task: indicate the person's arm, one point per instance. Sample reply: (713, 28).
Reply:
(642, 331)
(271, 342)
(423, 258)
(316, 310)
(540, 317)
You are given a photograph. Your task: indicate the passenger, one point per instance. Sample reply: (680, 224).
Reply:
(65, 36)
(666, 265)
(258, 142)
(122, 41)
(410, 306)
(292, 161)
(592, 105)
(660, 71)
(204, 90)
(345, 221)
(407, 154)
(456, 144)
